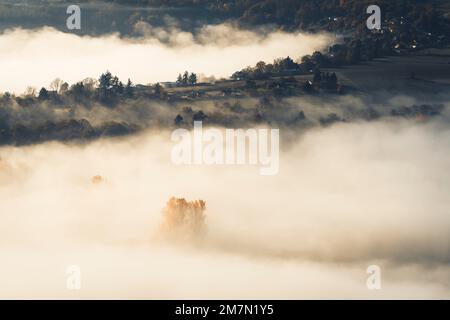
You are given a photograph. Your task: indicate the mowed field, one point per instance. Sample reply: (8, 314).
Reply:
(415, 74)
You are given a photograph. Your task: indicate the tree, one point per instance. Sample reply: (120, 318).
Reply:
(129, 89)
(77, 90)
(317, 76)
(117, 86)
(110, 87)
(105, 82)
(185, 77)
(193, 79)
(56, 85)
(260, 71)
(30, 92)
(178, 120)
(90, 84)
(180, 79)
(199, 116)
(307, 63)
(184, 218)
(7, 97)
(289, 64)
(239, 75)
(261, 67)
(319, 59)
(64, 88)
(158, 90)
(43, 94)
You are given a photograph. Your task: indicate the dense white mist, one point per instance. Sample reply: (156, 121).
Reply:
(35, 57)
(346, 197)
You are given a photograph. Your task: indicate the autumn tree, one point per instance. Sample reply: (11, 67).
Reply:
(56, 85)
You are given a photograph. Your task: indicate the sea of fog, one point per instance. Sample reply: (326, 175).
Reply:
(36, 57)
(346, 197)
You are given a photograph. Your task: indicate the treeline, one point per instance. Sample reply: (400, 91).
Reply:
(407, 24)
(62, 130)
(306, 13)
(187, 79)
(335, 14)
(28, 125)
(309, 64)
(107, 90)
(262, 70)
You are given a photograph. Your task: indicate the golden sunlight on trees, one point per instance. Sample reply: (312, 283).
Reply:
(97, 179)
(184, 220)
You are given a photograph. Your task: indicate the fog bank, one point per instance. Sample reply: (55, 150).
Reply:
(35, 57)
(346, 197)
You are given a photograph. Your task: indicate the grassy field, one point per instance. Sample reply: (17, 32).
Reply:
(415, 75)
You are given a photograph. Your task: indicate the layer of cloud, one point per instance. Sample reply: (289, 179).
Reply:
(347, 196)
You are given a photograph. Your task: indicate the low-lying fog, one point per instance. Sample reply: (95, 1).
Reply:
(35, 57)
(346, 197)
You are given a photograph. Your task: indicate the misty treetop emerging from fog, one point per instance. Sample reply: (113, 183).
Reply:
(184, 220)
